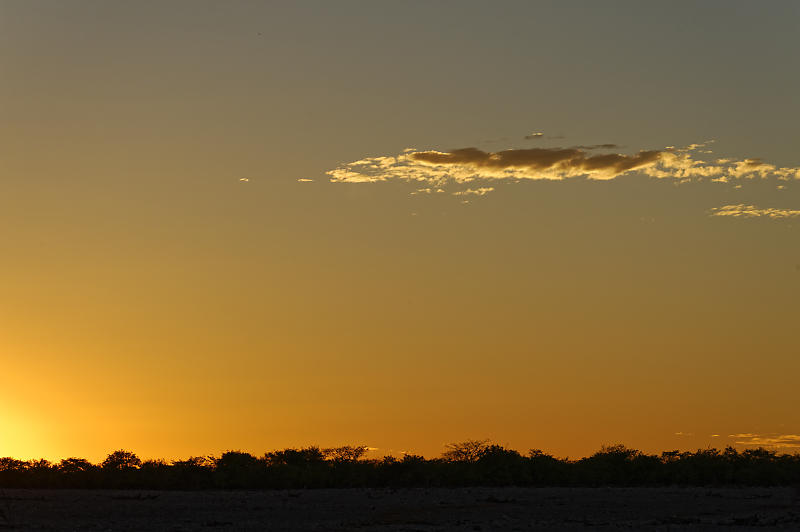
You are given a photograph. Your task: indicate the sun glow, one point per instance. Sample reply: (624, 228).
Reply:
(19, 435)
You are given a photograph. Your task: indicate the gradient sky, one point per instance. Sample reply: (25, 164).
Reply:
(170, 286)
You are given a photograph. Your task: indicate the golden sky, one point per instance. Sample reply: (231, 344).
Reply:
(257, 225)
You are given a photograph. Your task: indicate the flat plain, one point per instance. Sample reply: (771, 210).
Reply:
(417, 509)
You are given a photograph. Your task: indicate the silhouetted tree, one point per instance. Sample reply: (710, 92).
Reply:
(298, 468)
(502, 467)
(237, 469)
(121, 460)
(347, 453)
(466, 451)
(296, 457)
(11, 464)
(195, 472)
(71, 466)
(474, 462)
(546, 470)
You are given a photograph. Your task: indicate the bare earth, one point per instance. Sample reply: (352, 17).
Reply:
(435, 509)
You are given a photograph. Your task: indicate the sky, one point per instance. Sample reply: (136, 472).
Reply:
(258, 225)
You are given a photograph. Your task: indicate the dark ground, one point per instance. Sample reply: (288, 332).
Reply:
(435, 509)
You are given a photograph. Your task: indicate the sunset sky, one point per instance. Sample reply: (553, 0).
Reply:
(256, 225)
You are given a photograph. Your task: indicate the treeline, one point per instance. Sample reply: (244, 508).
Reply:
(470, 463)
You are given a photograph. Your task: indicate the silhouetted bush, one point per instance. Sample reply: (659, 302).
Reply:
(469, 463)
(298, 468)
(546, 470)
(195, 471)
(235, 469)
(502, 467)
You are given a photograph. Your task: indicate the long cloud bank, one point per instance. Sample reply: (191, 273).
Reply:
(440, 168)
(435, 171)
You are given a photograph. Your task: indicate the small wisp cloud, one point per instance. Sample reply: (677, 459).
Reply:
(751, 211)
(482, 191)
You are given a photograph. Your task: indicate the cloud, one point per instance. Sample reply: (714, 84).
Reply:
(448, 171)
(427, 190)
(767, 440)
(304, 180)
(244, 179)
(482, 191)
(751, 211)
(758, 168)
(563, 161)
(534, 136)
(464, 165)
(599, 147)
